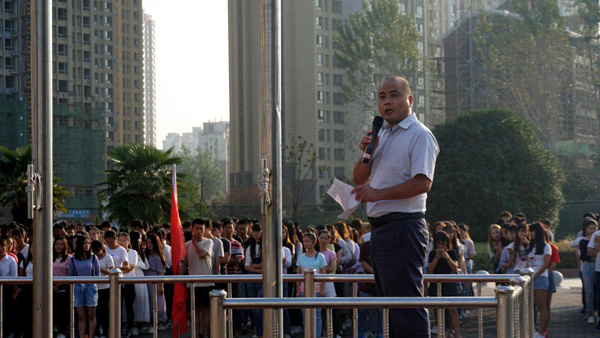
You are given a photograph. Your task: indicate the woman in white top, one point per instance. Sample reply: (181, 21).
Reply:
(538, 257)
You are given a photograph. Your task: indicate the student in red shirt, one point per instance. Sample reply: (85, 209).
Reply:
(554, 261)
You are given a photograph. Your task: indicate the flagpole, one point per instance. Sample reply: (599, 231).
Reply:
(270, 144)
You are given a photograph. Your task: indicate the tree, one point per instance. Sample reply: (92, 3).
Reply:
(527, 63)
(492, 161)
(372, 45)
(203, 173)
(139, 186)
(13, 183)
(300, 172)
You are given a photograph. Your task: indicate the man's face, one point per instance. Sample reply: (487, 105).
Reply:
(228, 231)
(216, 232)
(78, 227)
(393, 101)
(198, 231)
(17, 237)
(111, 242)
(242, 230)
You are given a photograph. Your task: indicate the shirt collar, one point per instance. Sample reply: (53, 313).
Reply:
(404, 124)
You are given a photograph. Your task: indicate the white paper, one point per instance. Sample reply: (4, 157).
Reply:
(340, 192)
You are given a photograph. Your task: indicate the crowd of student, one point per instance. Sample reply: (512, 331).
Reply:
(587, 245)
(513, 245)
(233, 246)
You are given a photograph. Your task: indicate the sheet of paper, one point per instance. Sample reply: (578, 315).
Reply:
(340, 192)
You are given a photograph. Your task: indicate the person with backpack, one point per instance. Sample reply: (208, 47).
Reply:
(85, 263)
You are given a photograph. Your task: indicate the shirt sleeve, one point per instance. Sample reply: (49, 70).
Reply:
(13, 272)
(219, 252)
(96, 266)
(248, 257)
(288, 257)
(322, 262)
(71, 267)
(423, 155)
(125, 256)
(592, 240)
(207, 245)
(547, 249)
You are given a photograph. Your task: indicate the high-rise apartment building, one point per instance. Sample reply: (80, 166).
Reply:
(97, 85)
(149, 83)
(212, 137)
(313, 106)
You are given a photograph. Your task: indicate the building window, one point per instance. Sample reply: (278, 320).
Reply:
(337, 80)
(339, 172)
(338, 99)
(338, 117)
(61, 14)
(336, 6)
(338, 136)
(320, 78)
(320, 116)
(319, 22)
(339, 154)
(320, 96)
(62, 49)
(321, 135)
(62, 68)
(419, 11)
(62, 31)
(319, 4)
(320, 41)
(322, 154)
(335, 24)
(319, 59)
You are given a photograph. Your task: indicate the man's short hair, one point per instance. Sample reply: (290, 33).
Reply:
(401, 79)
(110, 234)
(199, 221)
(136, 223)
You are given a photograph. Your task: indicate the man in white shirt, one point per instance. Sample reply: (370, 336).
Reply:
(394, 184)
(198, 261)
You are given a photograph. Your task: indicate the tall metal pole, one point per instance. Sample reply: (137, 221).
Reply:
(41, 117)
(270, 143)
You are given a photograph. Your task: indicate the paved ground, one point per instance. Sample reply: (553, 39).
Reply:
(566, 320)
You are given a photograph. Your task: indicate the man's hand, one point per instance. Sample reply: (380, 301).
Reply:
(364, 142)
(364, 193)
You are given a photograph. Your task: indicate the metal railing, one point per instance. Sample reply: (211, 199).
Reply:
(513, 302)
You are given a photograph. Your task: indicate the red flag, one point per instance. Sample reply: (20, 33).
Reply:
(179, 313)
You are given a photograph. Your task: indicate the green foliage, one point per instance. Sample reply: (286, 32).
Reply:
(482, 260)
(203, 173)
(373, 45)
(13, 183)
(527, 64)
(492, 161)
(139, 186)
(589, 13)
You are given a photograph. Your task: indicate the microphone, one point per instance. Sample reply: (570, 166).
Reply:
(377, 124)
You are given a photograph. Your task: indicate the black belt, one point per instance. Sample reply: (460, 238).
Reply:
(394, 216)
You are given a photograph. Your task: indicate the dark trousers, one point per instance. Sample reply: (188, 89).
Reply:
(61, 309)
(169, 287)
(398, 254)
(102, 311)
(128, 298)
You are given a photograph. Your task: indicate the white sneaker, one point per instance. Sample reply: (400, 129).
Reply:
(434, 330)
(60, 335)
(538, 335)
(591, 319)
(161, 327)
(135, 332)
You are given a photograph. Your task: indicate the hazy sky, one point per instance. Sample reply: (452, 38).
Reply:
(192, 69)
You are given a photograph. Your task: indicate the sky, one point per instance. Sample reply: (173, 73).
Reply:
(191, 64)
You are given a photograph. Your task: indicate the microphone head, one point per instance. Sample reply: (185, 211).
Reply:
(377, 122)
